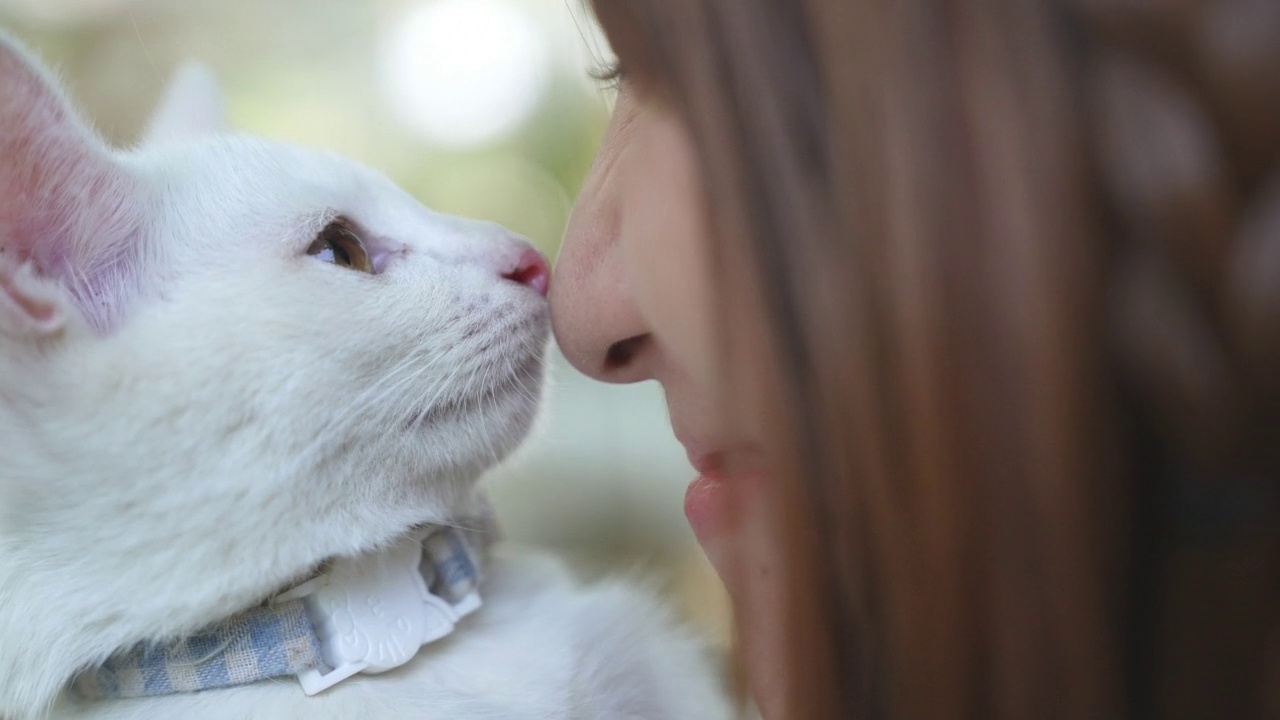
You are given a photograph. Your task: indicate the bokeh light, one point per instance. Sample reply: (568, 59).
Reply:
(464, 72)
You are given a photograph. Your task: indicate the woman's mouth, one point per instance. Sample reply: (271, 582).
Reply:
(706, 502)
(704, 505)
(704, 461)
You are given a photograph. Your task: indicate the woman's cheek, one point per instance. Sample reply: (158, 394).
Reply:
(667, 246)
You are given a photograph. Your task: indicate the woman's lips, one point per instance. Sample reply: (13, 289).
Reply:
(706, 506)
(706, 500)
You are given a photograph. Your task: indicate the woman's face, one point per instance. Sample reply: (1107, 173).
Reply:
(633, 298)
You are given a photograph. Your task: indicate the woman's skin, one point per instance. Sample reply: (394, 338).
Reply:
(632, 294)
(632, 300)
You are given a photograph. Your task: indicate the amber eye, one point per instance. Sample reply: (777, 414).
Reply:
(338, 245)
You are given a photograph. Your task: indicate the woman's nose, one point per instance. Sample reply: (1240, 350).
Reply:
(597, 323)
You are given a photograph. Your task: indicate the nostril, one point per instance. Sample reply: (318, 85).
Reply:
(532, 271)
(620, 354)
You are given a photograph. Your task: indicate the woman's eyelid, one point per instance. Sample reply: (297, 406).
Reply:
(611, 73)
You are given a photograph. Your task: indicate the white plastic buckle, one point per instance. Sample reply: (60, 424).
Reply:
(374, 613)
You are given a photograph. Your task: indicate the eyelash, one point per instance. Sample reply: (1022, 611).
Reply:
(611, 75)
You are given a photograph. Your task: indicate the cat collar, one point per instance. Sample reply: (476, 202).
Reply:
(367, 614)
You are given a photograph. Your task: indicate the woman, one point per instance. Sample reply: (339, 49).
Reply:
(967, 312)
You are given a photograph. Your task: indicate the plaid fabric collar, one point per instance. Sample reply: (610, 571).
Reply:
(367, 614)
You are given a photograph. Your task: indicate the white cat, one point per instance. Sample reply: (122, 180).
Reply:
(225, 361)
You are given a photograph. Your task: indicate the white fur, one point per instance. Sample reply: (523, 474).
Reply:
(194, 413)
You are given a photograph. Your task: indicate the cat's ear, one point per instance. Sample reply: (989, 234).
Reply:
(68, 210)
(30, 305)
(191, 108)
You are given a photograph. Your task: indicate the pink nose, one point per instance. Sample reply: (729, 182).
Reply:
(531, 270)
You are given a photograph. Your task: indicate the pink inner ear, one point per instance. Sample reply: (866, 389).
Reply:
(41, 312)
(65, 205)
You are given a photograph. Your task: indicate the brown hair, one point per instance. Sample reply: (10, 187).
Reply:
(1017, 268)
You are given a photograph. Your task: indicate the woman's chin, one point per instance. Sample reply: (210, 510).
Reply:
(730, 515)
(713, 505)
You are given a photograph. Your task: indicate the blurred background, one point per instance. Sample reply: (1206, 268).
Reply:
(482, 108)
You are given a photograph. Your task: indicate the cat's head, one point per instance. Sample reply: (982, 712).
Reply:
(224, 359)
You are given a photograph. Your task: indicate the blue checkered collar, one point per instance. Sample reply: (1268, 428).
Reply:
(359, 615)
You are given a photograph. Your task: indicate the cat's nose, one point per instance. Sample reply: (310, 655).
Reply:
(530, 269)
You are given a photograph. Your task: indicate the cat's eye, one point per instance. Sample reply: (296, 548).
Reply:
(338, 245)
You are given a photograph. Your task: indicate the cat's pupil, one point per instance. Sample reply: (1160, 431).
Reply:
(340, 256)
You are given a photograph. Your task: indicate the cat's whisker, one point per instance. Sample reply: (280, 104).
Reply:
(389, 384)
(436, 393)
(380, 393)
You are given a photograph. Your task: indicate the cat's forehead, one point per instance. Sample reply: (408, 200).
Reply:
(240, 180)
(243, 167)
(263, 196)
